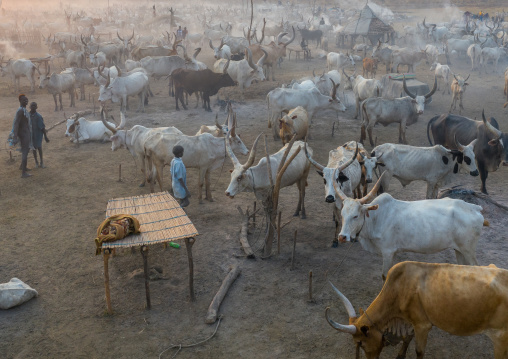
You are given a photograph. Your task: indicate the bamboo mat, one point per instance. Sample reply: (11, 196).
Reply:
(160, 217)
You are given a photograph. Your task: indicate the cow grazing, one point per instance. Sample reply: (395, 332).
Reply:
(442, 72)
(461, 300)
(120, 88)
(57, 84)
(404, 110)
(18, 68)
(458, 90)
(344, 168)
(433, 165)
(369, 66)
(243, 72)
(205, 81)
(338, 61)
(426, 227)
(204, 152)
(134, 139)
(249, 178)
(491, 148)
(296, 121)
(83, 130)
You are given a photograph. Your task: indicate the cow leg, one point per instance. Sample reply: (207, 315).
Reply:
(369, 131)
(338, 226)
(208, 190)
(460, 257)
(387, 263)
(143, 171)
(405, 344)
(197, 99)
(363, 134)
(73, 103)
(500, 345)
(56, 103)
(201, 178)
(180, 96)
(421, 334)
(176, 100)
(206, 101)
(357, 112)
(483, 176)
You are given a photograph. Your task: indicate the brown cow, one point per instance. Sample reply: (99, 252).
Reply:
(296, 122)
(458, 89)
(461, 300)
(369, 65)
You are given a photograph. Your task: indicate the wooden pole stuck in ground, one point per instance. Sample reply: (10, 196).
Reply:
(211, 316)
(278, 232)
(120, 172)
(106, 253)
(144, 254)
(188, 243)
(10, 157)
(294, 250)
(310, 287)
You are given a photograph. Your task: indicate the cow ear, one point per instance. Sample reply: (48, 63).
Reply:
(230, 171)
(445, 160)
(320, 173)
(365, 330)
(342, 178)
(460, 157)
(456, 168)
(330, 100)
(373, 207)
(493, 142)
(294, 117)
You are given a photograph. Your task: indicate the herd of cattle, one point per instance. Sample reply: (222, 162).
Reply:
(407, 306)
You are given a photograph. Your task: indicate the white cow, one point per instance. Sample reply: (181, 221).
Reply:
(160, 66)
(243, 72)
(223, 51)
(338, 61)
(362, 88)
(204, 152)
(131, 64)
(57, 84)
(432, 53)
(248, 178)
(344, 168)
(474, 51)
(134, 140)
(311, 100)
(442, 72)
(18, 68)
(433, 165)
(120, 88)
(83, 130)
(491, 54)
(427, 226)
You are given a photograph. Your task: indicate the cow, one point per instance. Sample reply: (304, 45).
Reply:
(206, 81)
(506, 86)
(162, 66)
(83, 130)
(244, 71)
(404, 110)
(309, 35)
(426, 226)
(236, 44)
(17, 68)
(127, 44)
(461, 46)
(131, 65)
(362, 88)
(433, 165)
(432, 53)
(369, 66)
(383, 53)
(296, 121)
(249, 178)
(134, 139)
(98, 58)
(458, 89)
(120, 88)
(407, 57)
(82, 77)
(491, 54)
(442, 72)
(73, 58)
(139, 53)
(311, 100)
(344, 168)
(417, 296)
(221, 52)
(338, 61)
(474, 52)
(490, 150)
(204, 152)
(58, 83)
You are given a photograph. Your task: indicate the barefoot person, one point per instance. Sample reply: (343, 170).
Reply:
(38, 130)
(22, 132)
(179, 177)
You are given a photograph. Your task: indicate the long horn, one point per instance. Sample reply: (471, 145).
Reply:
(351, 160)
(425, 26)
(373, 192)
(279, 37)
(311, 160)
(100, 71)
(108, 126)
(433, 89)
(211, 45)
(197, 51)
(494, 131)
(249, 59)
(233, 128)
(119, 71)
(49, 70)
(117, 34)
(263, 58)
(348, 328)
(217, 122)
(334, 89)
(349, 307)
(252, 154)
(467, 77)
(292, 39)
(406, 89)
(457, 144)
(221, 43)
(230, 151)
(108, 81)
(131, 36)
(84, 43)
(123, 121)
(338, 191)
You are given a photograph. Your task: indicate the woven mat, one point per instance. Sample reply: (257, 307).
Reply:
(160, 217)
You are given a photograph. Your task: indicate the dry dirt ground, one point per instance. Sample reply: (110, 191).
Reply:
(48, 223)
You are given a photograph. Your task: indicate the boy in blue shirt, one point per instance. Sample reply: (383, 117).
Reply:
(179, 177)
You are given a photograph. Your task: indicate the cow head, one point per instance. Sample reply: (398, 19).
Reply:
(257, 68)
(419, 101)
(118, 139)
(499, 139)
(369, 163)
(350, 80)
(44, 78)
(240, 178)
(366, 334)
(464, 157)
(334, 101)
(354, 211)
(331, 176)
(106, 91)
(460, 83)
(126, 41)
(218, 52)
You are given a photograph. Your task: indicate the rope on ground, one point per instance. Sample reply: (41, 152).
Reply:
(180, 346)
(336, 268)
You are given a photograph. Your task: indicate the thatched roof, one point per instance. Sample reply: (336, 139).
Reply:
(367, 23)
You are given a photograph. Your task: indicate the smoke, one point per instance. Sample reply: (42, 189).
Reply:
(381, 12)
(7, 50)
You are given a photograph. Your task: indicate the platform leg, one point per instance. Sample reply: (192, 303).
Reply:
(188, 243)
(106, 253)
(144, 254)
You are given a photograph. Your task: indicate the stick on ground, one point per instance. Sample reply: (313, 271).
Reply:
(211, 316)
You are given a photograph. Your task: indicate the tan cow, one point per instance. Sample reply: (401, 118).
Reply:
(369, 65)
(458, 89)
(295, 121)
(461, 300)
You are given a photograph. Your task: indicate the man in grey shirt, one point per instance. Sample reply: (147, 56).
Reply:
(23, 133)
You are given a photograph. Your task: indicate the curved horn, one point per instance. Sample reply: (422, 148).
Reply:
(108, 126)
(249, 59)
(217, 122)
(233, 128)
(457, 143)
(184, 52)
(467, 77)
(279, 37)
(49, 70)
(349, 307)
(406, 89)
(91, 73)
(425, 26)
(313, 72)
(433, 89)
(100, 71)
(230, 151)
(211, 45)
(252, 154)
(292, 39)
(263, 58)
(349, 328)
(221, 43)
(338, 191)
(117, 34)
(494, 131)
(373, 192)
(119, 71)
(84, 43)
(131, 36)
(455, 77)
(196, 52)
(316, 164)
(108, 81)
(334, 90)
(351, 160)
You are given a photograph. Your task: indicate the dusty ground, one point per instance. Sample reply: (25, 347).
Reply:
(49, 221)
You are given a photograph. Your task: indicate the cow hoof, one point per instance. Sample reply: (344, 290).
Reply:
(335, 244)
(142, 184)
(177, 109)
(201, 201)
(304, 216)
(210, 200)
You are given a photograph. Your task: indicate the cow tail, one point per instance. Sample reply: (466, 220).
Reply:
(431, 121)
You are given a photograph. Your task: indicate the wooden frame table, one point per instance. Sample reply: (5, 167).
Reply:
(161, 220)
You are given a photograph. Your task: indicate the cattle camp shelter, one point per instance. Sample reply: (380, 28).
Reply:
(367, 25)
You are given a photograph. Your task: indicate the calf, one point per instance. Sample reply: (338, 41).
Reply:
(57, 84)
(458, 90)
(296, 121)
(369, 65)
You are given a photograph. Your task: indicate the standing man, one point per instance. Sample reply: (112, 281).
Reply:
(184, 32)
(38, 130)
(179, 33)
(22, 132)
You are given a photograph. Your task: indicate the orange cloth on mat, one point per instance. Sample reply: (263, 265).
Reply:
(114, 228)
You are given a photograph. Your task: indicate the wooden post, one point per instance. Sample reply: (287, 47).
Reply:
(10, 157)
(188, 243)
(278, 233)
(294, 250)
(106, 253)
(144, 254)
(211, 316)
(310, 287)
(333, 128)
(254, 215)
(243, 233)
(120, 172)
